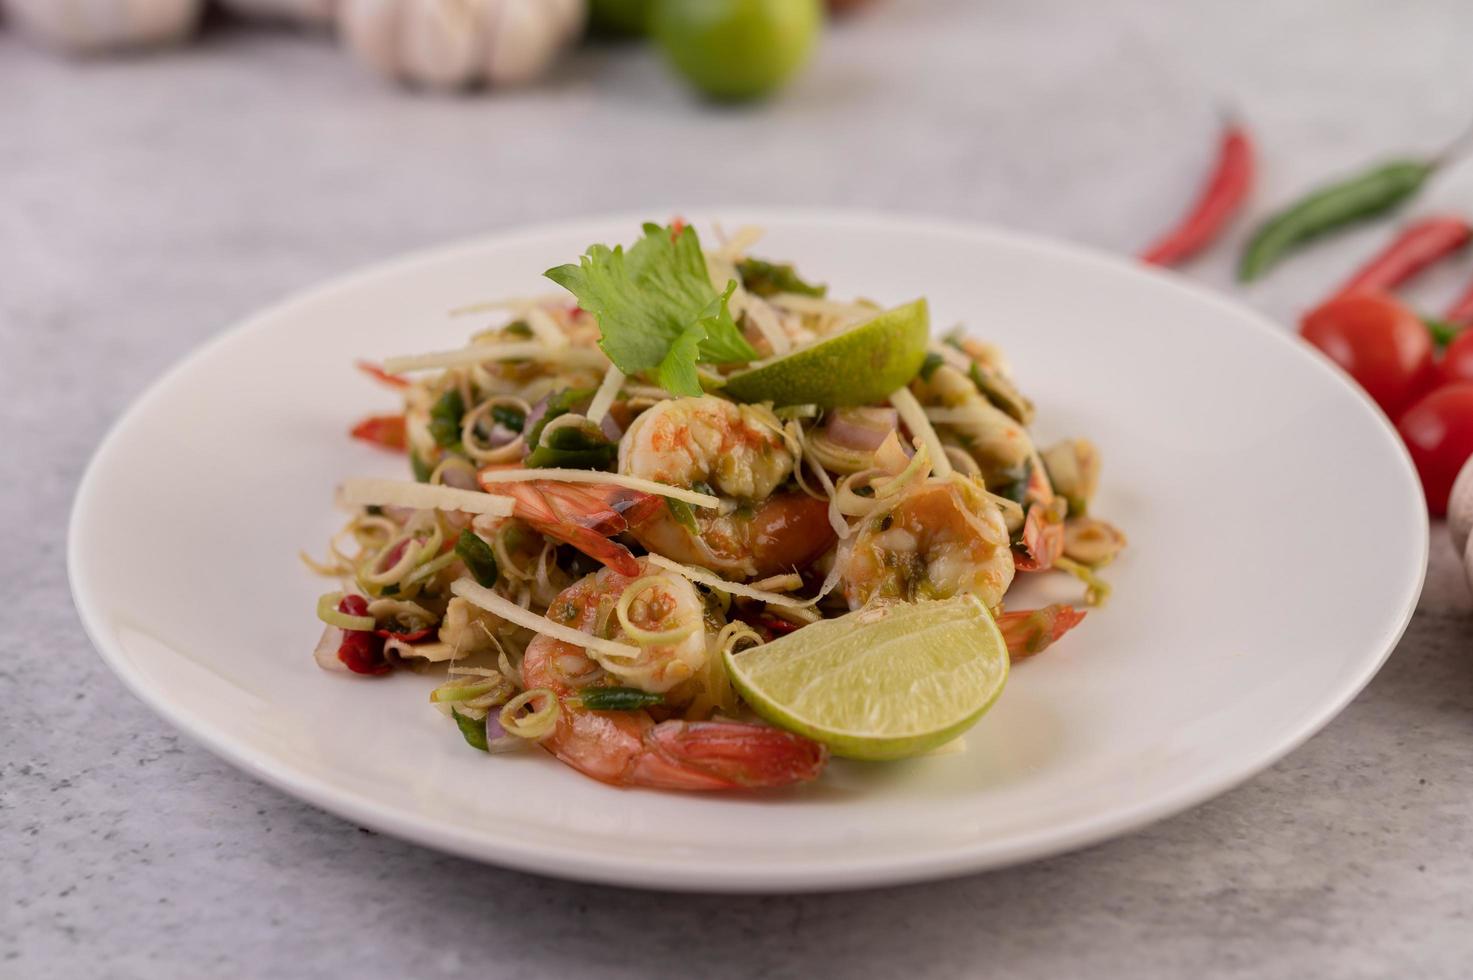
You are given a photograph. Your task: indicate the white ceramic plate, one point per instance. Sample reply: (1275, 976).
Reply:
(1278, 542)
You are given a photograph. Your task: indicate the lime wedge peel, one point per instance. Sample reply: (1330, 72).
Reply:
(858, 366)
(881, 683)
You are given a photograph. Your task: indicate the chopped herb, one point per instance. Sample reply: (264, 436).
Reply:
(930, 364)
(576, 448)
(476, 553)
(445, 416)
(771, 278)
(420, 468)
(1442, 331)
(506, 416)
(558, 403)
(656, 308)
(684, 515)
(473, 731)
(373, 510)
(518, 328)
(618, 699)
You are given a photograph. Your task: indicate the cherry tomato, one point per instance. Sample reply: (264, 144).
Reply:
(1379, 342)
(1457, 360)
(1438, 430)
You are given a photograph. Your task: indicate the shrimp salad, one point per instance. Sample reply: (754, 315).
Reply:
(589, 525)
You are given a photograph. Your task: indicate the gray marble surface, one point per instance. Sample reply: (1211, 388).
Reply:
(147, 203)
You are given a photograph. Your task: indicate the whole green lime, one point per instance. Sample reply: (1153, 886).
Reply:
(736, 49)
(620, 18)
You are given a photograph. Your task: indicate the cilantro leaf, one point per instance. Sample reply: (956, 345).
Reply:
(656, 307)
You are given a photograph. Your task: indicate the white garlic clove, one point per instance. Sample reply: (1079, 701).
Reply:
(1460, 507)
(457, 43)
(299, 11)
(90, 26)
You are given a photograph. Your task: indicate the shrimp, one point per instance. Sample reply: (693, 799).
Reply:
(629, 748)
(739, 451)
(736, 449)
(584, 516)
(1030, 631)
(787, 532)
(938, 539)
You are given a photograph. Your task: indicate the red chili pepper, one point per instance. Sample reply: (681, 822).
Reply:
(386, 431)
(1219, 200)
(361, 651)
(1419, 245)
(411, 636)
(379, 374)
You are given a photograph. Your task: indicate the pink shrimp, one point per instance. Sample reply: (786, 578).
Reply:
(1031, 631)
(629, 748)
(584, 516)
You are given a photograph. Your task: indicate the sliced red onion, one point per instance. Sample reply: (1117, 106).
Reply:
(611, 428)
(460, 478)
(500, 435)
(326, 653)
(861, 429)
(498, 739)
(535, 416)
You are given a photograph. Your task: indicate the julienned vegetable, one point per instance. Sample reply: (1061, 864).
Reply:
(1221, 197)
(585, 548)
(1365, 195)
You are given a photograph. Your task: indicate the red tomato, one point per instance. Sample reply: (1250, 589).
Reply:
(1439, 432)
(1379, 342)
(1457, 360)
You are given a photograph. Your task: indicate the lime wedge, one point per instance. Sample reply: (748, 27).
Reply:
(859, 366)
(882, 683)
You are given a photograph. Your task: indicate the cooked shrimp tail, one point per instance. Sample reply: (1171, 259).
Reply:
(1031, 631)
(725, 755)
(586, 517)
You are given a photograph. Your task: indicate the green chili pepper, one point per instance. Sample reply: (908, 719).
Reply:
(1365, 195)
(445, 416)
(478, 557)
(618, 699)
(474, 732)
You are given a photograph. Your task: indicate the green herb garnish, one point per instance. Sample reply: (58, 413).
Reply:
(419, 468)
(656, 307)
(558, 403)
(573, 447)
(473, 731)
(472, 549)
(508, 417)
(445, 417)
(770, 278)
(618, 699)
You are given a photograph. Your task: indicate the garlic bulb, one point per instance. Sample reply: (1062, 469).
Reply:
(83, 26)
(1460, 508)
(301, 11)
(458, 43)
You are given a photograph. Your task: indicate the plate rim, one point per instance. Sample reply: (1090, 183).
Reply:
(672, 874)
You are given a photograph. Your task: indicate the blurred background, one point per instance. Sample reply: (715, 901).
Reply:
(150, 197)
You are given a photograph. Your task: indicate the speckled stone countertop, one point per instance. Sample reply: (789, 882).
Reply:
(147, 203)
